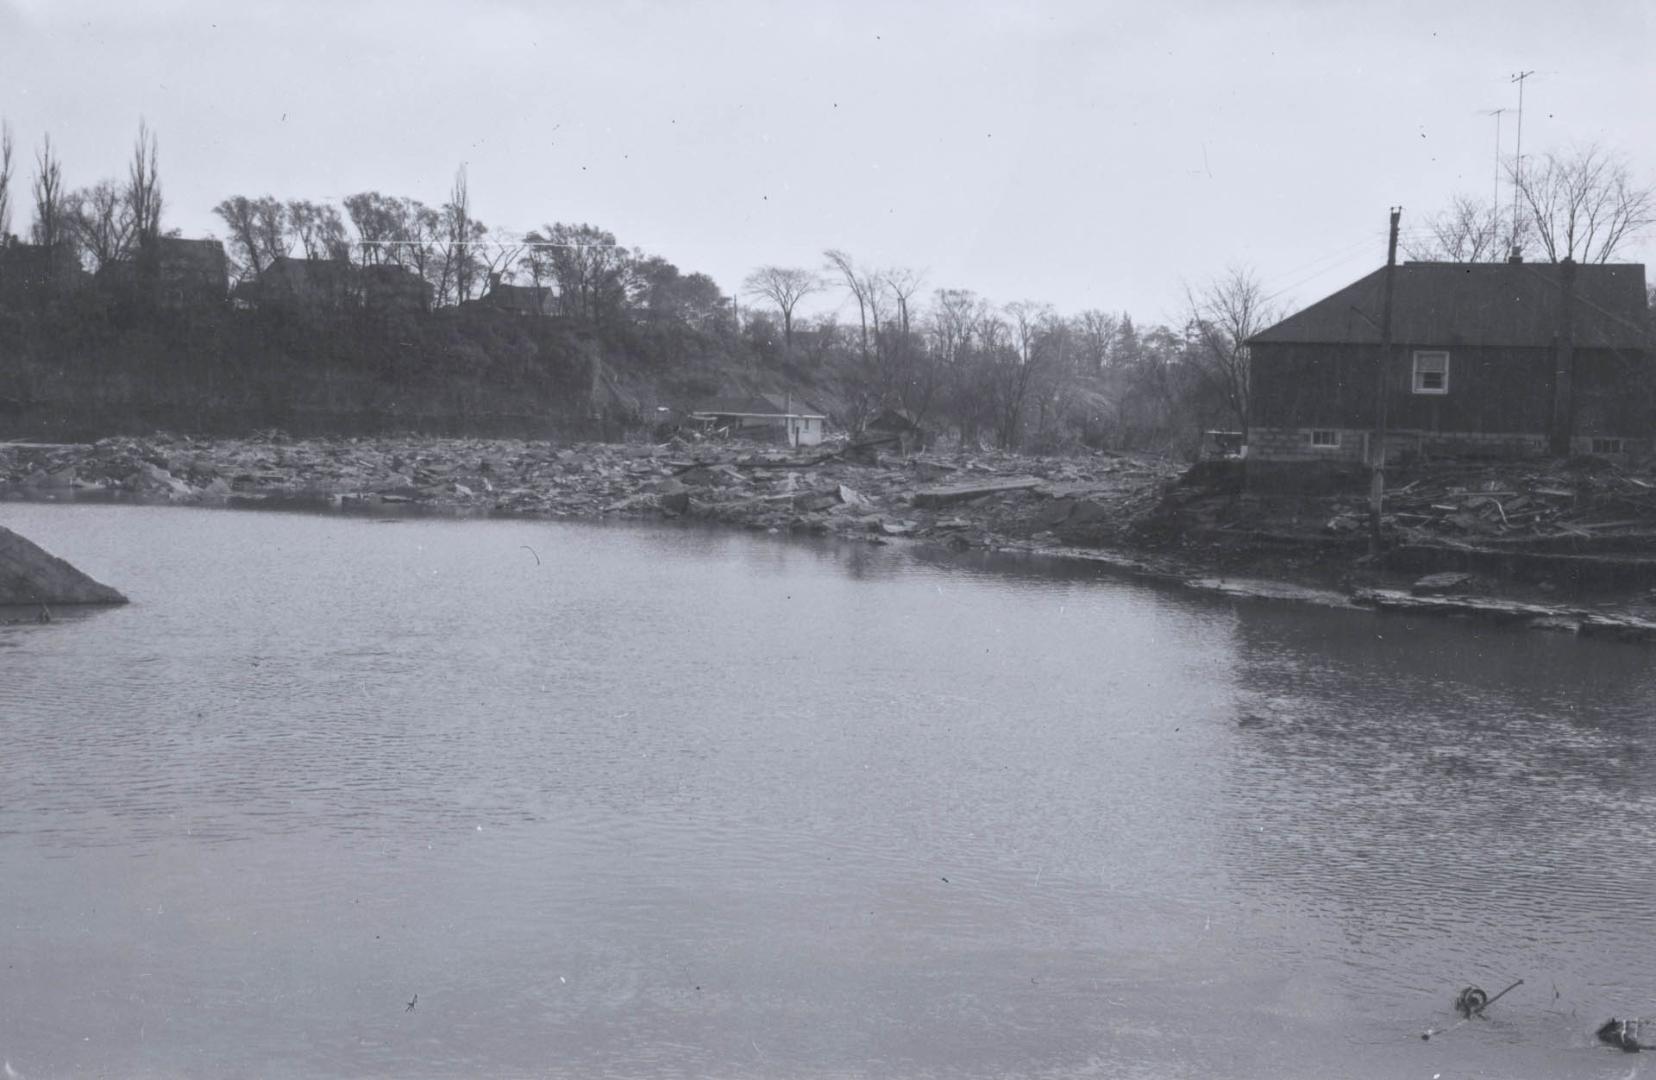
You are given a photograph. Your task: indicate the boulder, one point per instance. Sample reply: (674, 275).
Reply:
(31, 576)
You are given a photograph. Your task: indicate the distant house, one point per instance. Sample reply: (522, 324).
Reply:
(190, 273)
(899, 426)
(181, 273)
(1498, 359)
(29, 273)
(783, 417)
(389, 288)
(519, 299)
(301, 285)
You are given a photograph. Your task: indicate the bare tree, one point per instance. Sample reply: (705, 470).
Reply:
(1095, 332)
(143, 188)
(103, 220)
(1014, 368)
(864, 288)
(5, 180)
(593, 272)
(1470, 230)
(1221, 318)
(953, 313)
(317, 229)
(52, 226)
(462, 235)
(1585, 205)
(902, 283)
(258, 231)
(784, 286)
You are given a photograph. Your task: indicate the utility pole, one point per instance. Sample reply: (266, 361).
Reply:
(1382, 390)
(1518, 158)
(1563, 403)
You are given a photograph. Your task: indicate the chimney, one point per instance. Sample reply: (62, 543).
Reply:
(494, 281)
(1517, 255)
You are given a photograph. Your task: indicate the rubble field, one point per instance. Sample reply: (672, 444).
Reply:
(1504, 542)
(975, 499)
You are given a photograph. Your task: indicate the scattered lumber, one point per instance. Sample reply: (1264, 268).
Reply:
(954, 493)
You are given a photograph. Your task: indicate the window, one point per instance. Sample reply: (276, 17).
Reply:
(1431, 373)
(1607, 446)
(1325, 437)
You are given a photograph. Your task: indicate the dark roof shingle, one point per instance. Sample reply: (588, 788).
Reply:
(1495, 304)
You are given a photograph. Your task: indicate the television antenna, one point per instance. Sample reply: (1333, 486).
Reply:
(1495, 193)
(1518, 156)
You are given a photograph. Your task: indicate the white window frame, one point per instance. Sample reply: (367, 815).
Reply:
(1333, 443)
(1415, 372)
(1608, 444)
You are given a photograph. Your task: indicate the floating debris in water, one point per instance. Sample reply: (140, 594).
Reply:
(1622, 1033)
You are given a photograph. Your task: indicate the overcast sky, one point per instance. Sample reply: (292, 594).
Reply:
(1084, 154)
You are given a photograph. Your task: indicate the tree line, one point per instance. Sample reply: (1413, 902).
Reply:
(105, 222)
(1018, 374)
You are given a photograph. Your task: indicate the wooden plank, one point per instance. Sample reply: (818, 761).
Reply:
(953, 493)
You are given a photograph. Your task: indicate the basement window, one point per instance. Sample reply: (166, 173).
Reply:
(1431, 373)
(1607, 446)
(1325, 437)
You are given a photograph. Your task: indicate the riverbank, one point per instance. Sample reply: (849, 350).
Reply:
(1139, 514)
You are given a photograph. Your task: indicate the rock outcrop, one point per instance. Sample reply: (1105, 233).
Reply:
(29, 575)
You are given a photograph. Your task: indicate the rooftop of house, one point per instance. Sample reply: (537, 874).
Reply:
(534, 298)
(1478, 304)
(759, 405)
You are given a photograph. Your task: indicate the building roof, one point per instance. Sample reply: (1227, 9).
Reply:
(186, 247)
(1470, 304)
(893, 420)
(531, 299)
(307, 273)
(759, 405)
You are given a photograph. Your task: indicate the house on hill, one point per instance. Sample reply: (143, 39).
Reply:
(190, 273)
(389, 288)
(296, 286)
(782, 417)
(173, 272)
(31, 273)
(1496, 359)
(519, 299)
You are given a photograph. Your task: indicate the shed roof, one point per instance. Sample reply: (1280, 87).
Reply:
(1470, 304)
(758, 405)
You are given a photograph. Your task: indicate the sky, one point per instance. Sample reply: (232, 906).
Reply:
(1089, 155)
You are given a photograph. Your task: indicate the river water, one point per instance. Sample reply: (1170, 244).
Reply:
(644, 801)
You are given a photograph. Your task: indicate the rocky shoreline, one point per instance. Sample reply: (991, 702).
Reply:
(1102, 507)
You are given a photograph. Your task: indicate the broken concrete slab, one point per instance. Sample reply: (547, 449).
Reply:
(852, 498)
(1438, 584)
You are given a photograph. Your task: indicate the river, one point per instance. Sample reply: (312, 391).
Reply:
(648, 801)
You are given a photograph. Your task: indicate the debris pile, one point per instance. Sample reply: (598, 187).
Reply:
(1577, 499)
(972, 498)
